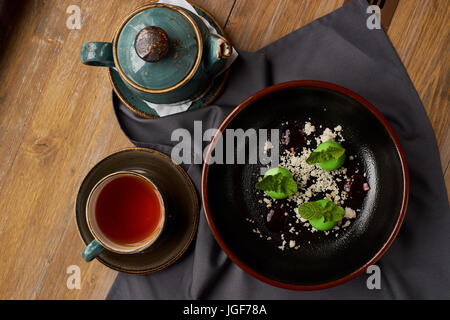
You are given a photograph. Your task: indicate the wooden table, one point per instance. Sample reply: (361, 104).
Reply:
(56, 119)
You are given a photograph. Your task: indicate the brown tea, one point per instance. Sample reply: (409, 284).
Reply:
(128, 210)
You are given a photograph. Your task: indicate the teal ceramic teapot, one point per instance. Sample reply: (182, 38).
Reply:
(163, 53)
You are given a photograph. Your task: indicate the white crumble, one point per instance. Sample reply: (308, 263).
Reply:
(309, 128)
(268, 202)
(349, 213)
(296, 161)
(283, 244)
(327, 135)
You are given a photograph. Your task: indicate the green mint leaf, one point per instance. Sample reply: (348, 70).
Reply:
(278, 183)
(322, 208)
(329, 153)
(289, 186)
(310, 211)
(270, 183)
(333, 212)
(338, 214)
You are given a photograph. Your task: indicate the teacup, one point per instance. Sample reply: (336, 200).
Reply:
(125, 213)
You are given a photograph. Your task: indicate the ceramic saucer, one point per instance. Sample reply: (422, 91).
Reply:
(182, 212)
(138, 106)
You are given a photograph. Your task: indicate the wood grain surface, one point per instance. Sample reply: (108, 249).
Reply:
(56, 119)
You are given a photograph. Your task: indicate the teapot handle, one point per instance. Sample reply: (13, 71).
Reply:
(99, 54)
(219, 50)
(223, 48)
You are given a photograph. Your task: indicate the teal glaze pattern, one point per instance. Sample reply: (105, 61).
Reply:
(92, 251)
(215, 63)
(139, 104)
(171, 69)
(98, 54)
(178, 62)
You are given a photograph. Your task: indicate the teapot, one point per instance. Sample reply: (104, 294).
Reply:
(164, 54)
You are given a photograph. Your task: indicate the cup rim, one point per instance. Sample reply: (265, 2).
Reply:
(152, 239)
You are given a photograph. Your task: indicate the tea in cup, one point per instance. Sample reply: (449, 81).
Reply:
(125, 213)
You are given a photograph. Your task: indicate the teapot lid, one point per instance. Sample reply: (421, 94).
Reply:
(157, 48)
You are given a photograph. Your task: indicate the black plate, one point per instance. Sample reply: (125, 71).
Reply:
(229, 196)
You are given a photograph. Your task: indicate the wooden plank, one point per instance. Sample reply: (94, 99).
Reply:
(220, 10)
(58, 120)
(420, 35)
(254, 24)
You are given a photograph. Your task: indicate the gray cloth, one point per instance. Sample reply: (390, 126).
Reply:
(336, 48)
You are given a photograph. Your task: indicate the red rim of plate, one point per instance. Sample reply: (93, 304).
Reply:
(348, 93)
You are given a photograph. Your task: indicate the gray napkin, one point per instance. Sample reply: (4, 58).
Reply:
(336, 48)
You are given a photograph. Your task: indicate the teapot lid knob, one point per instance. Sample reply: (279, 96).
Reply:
(151, 44)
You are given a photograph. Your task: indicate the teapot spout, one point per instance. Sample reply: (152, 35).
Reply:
(219, 51)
